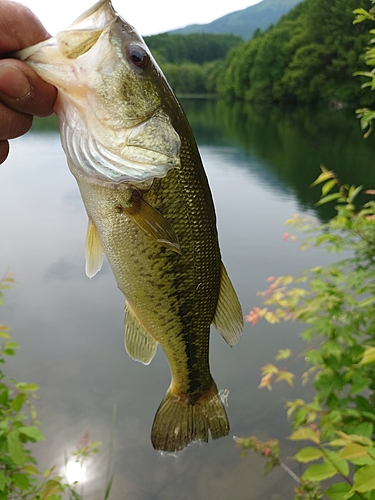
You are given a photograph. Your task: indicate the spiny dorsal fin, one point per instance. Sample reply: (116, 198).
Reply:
(228, 319)
(151, 222)
(138, 342)
(93, 250)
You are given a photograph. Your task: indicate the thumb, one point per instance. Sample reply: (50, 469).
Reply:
(23, 90)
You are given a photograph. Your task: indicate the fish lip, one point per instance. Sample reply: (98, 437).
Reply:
(98, 18)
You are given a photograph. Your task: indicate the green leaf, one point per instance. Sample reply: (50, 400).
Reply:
(18, 402)
(361, 439)
(75, 494)
(359, 383)
(21, 481)
(328, 198)
(109, 487)
(12, 345)
(326, 188)
(364, 479)
(30, 469)
(308, 454)
(319, 472)
(15, 448)
(9, 352)
(32, 432)
(283, 354)
(337, 491)
(24, 386)
(324, 176)
(364, 429)
(353, 192)
(305, 434)
(353, 450)
(368, 356)
(3, 480)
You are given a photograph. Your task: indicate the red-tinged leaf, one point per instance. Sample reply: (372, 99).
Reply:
(269, 369)
(287, 376)
(266, 382)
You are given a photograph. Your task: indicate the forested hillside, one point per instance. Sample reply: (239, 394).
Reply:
(246, 21)
(196, 48)
(308, 57)
(190, 62)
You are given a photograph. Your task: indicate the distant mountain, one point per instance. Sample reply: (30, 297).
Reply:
(244, 22)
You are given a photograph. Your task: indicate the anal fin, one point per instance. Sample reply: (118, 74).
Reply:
(94, 250)
(228, 319)
(138, 342)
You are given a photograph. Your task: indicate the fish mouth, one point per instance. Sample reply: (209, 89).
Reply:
(75, 40)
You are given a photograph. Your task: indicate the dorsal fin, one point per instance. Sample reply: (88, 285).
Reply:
(228, 319)
(138, 342)
(94, 250)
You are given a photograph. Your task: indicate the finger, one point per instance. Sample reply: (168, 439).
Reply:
(4, 150)
(23, 90)
(19, 27)
(13, 123)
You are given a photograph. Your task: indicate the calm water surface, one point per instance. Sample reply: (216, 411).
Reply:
(260, 163)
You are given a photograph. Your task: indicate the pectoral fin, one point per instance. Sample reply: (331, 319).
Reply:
(138, 342)
(151, 222)
(93, 250)
(228, 319)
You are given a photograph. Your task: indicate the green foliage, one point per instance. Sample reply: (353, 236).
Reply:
(191, 62)
(336, 304)
(196, 48)
(366, 115)
(190, 78)
(307, 57)
(19, 475)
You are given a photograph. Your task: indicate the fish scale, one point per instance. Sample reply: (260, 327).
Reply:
(150, 209)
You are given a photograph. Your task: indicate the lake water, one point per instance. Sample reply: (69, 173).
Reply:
(260, 163)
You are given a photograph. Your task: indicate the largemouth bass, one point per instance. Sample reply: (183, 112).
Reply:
(150, 210)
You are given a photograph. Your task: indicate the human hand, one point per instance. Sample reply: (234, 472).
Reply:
(22, 92)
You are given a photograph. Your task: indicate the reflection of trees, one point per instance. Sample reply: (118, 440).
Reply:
(290, 143)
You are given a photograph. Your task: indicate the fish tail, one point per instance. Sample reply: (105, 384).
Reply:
(179, 422)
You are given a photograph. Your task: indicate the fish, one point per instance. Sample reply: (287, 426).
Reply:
(150, 210)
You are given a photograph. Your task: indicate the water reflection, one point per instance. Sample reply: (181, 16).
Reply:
(285, 146)
(259, 164)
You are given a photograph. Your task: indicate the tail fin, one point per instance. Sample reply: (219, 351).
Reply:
(178, 422)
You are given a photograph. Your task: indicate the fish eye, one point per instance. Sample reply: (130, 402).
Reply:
(137, 56)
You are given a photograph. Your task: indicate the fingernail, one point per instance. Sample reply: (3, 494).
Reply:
(13, 83)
